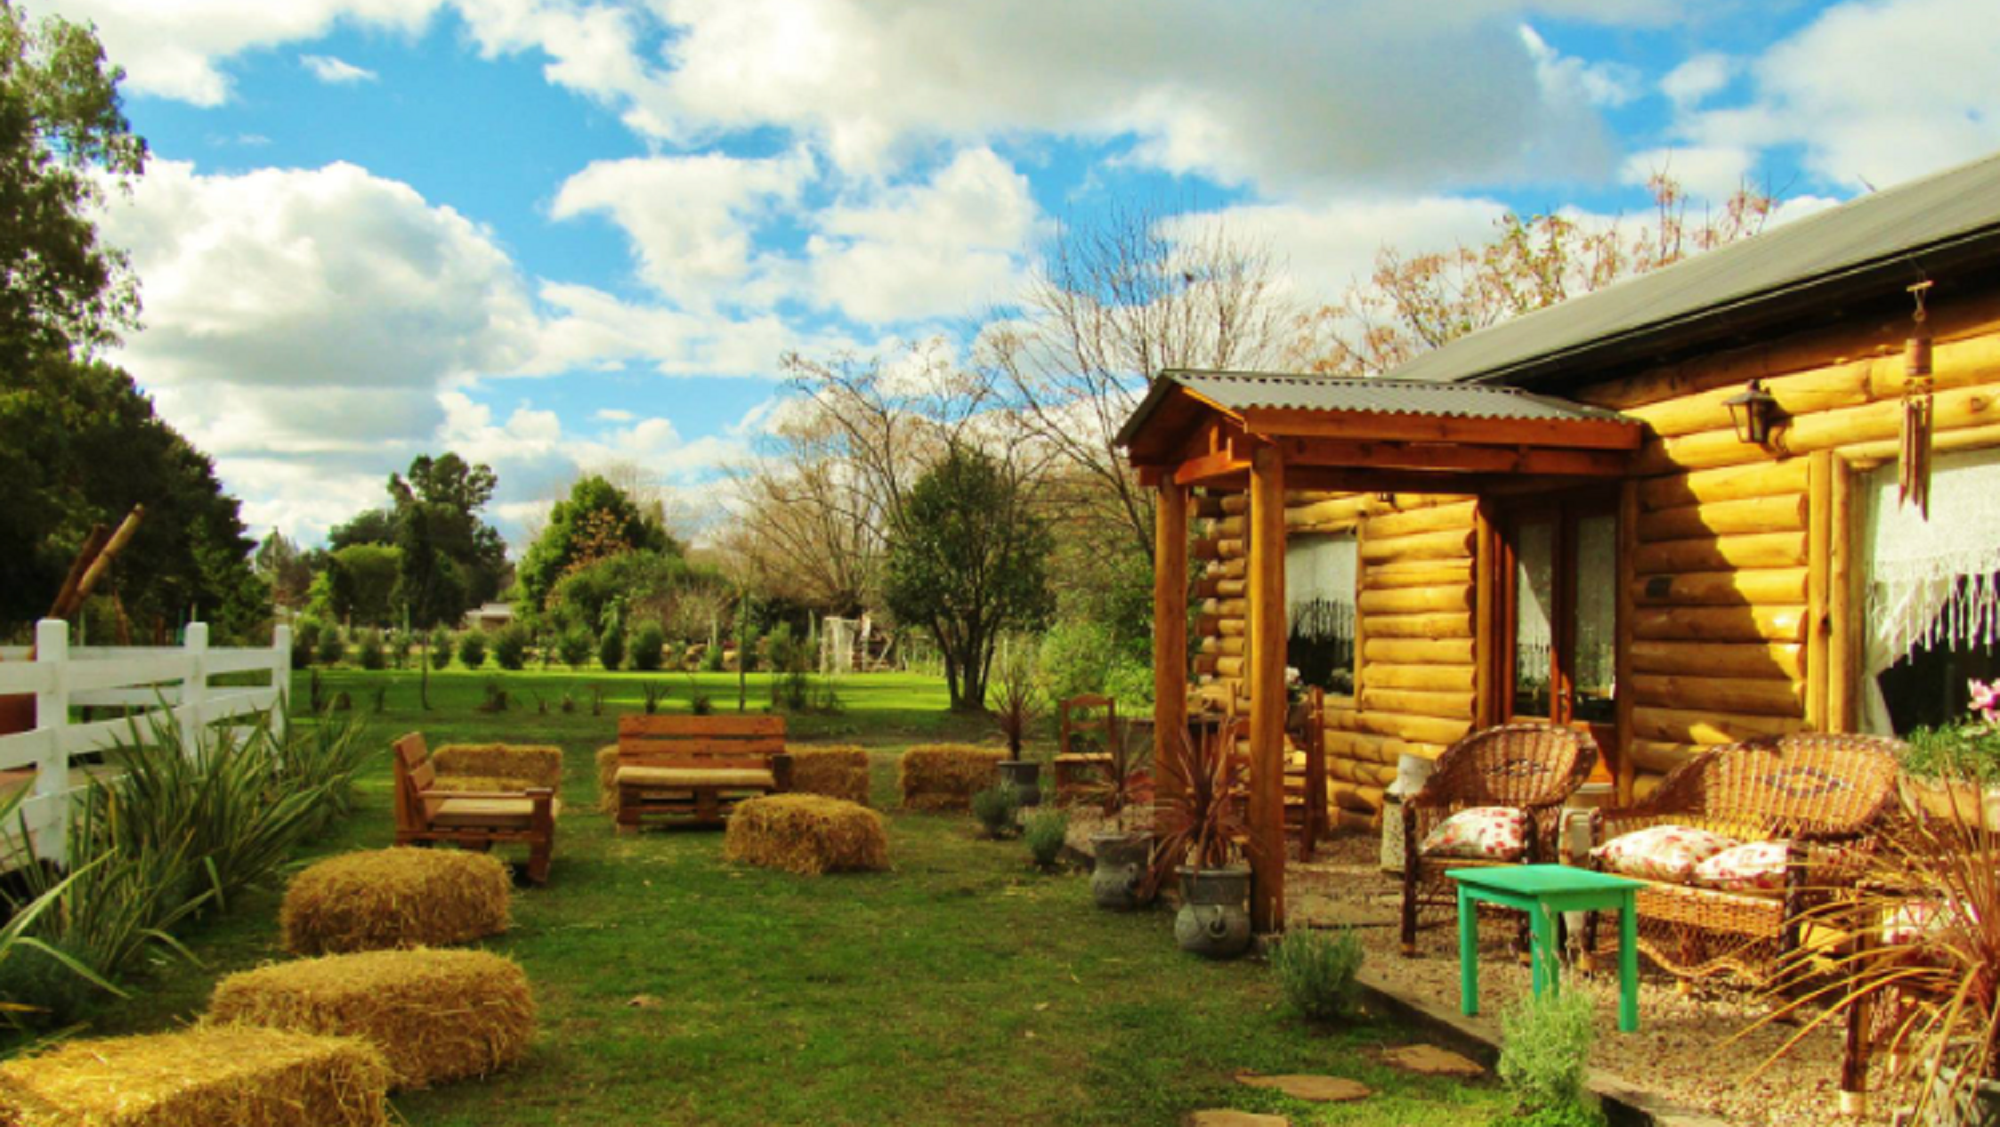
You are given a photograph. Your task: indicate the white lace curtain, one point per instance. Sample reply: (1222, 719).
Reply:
(1319, 567)
(1929, 581)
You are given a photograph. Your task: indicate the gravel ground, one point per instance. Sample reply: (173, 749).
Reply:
(1690, 1048)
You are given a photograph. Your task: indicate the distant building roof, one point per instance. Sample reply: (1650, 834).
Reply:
(1870, 246)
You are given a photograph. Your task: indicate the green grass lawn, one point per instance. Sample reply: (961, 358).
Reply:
(963, 987)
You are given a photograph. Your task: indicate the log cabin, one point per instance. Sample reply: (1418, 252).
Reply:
(1754, 492)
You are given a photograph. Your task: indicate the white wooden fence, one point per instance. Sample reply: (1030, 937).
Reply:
(139, 677)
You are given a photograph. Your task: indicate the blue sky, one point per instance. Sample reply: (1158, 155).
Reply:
(554, 234)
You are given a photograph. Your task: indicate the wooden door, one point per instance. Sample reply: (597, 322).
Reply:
(1556, 581)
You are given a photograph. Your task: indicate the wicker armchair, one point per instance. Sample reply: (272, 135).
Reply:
(1824, 792)
(1531, 766)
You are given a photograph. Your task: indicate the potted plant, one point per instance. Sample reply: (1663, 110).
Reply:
(1019, 704)
(1198, 824)
(1121, 855)
(1955, 768)
(1928, 907)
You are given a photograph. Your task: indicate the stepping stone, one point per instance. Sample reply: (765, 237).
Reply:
(1429, 1060)
(1318, 1089)
(1225, 1118)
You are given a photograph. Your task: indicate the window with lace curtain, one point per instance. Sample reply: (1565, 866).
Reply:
(1320, 577)
(1932, 596)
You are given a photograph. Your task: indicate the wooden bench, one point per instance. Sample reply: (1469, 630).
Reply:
(696, 766)
(471, 819)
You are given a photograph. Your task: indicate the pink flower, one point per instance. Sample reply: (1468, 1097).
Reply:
(1986, 699)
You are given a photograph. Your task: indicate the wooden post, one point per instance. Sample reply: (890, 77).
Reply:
(1628, 609)
(1486, 628)
(281, 678)
(1819, 561)
(1843, 599)
(1266, 669)
(194, 688)
(1170, 657)
(51, 786)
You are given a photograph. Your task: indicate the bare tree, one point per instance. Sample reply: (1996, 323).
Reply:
(1414, 303)
(1109, 306)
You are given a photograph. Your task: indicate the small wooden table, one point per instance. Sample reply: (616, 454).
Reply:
(1542, 891)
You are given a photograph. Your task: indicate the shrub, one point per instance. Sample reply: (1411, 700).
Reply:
(1076, 658)
(510, 646)
(711, 659)
(1047, 831)
(305, 641)
(995, 808)
(611, 648)
(472, 648)
(368, 650)
(648, 646)
(329, 649)
(400, 643)
(440, 648)
(1545, 1049)
(574, 647)
(1316, 972)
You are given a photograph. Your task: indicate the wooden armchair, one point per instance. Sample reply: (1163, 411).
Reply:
(474, 820)
(1088, 731)
(1824, 793)
(1529, 765)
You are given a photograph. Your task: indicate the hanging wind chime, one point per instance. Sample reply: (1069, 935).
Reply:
(1913, 463)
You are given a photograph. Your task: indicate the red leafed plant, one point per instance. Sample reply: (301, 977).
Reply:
(1199, 819)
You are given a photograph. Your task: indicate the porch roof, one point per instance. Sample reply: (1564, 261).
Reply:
(1197, 427)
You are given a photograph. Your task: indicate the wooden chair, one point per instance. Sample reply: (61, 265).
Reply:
(1094, 718)
(1528, 765)
(696, 767)
(475, 820)
(1307, 818)
(1825, 793)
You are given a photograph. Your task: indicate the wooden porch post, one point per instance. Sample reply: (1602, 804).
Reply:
(1170, 658)
(1266, 669)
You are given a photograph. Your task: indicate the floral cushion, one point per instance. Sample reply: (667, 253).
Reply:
(1754, 866)
(1665, 853)
(1484, 833)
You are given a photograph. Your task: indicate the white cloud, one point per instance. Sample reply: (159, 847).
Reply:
(1570, 80)
(1326, 247)
(690, 219)
(613, 415)
(1873, 92)
(1711, 173)
(337, 72)
(175, 49)
(1697, 78)
(947, 247)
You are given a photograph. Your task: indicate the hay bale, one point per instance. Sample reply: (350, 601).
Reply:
(402, 897)
(607, 778)
(836, 772)
(223, 1076)
(522, 765)
(944, 776)
(435, 1015)
(808, 834)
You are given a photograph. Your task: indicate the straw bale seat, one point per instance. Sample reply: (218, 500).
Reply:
(427, 815)
(1818, 796)
(1528, 768)
(435, 1015)
(697, 767)
(839, 771)
(220, 1076)
(517, 767)
(607, 778)
(386, 898)
(945, 776)
(806, 833)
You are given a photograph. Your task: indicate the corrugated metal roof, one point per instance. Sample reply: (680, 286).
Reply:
(1240, 391)
(1888, 230)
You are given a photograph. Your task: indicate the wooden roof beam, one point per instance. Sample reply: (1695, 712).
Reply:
(1570, 434)
(1453, 457)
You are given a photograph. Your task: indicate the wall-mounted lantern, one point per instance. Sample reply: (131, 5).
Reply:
(1753, 411)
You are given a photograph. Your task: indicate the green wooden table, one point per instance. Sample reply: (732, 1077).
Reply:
(1542, 891)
